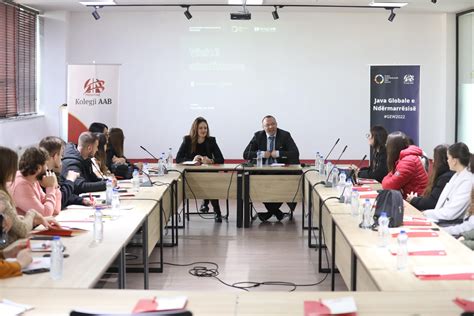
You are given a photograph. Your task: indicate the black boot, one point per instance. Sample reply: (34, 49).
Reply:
(204, 207)
(217, 211)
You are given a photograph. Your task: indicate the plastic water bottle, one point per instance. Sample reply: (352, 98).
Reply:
(402, 253)
(322, 167)
(108, 192)
(341, 184)
(98, 226)
(348, 192)
(328, 170)
(366, 221)
(384, 233)
(169, 159)
(136, 181)
(355, 202)
(335, 177)
(316, 162)
(161, 166)
(115, 200)
(259, 159)
(56, 269)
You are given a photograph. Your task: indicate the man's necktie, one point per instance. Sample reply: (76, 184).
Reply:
(271, 139)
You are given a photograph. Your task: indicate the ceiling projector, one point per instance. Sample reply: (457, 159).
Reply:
(241, 16)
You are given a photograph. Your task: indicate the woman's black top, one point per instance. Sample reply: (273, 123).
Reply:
(378, 166)
(208, 148)
(427, 203)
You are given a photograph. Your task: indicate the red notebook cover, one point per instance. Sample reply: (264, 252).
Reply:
(369, 196)
(424, 253)
(419, 234)
(466, 305)
(316, 308)
(416, 223)
(362, 189)
(63, 232)
(457, 276)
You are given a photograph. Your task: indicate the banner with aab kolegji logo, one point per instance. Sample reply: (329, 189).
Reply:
(92, 94)
(395, 99)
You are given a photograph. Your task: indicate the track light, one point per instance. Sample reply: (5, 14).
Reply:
(95, 13)
(188, 14)
(275, 14)
(392, 15)
(433, 1)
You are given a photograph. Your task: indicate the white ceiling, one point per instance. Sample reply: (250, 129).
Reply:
(451, 6)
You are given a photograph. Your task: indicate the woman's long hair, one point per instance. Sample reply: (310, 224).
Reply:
(116, 139)
(8, 168)
(379, 134)
(396, 142)
(193, 133)
(101, 155)
(440, 166)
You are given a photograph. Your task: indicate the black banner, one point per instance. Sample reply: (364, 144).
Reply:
(395, 99)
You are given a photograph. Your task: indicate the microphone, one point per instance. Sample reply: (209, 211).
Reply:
(249, 163)
(149, 153)
(335, 163)
(337, 141)
(353, 175)
(146, 184)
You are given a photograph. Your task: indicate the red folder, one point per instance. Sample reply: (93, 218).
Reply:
(457, 276)
(63, 232)
(369, 196)
(425, 253)
(419, 234)
(315, 308)
(145, 305)
(466, 305)
(416, 223)
(362, 189)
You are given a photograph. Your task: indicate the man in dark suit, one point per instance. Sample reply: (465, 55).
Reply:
(278, 146)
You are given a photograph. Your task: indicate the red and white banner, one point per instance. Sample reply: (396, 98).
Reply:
(92, 94)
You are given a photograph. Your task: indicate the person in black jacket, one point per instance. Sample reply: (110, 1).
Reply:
(200, 147)
(377, 168)
(79, 160)
(440, 176)
(55, 148)
(116, 161)
(278, 146)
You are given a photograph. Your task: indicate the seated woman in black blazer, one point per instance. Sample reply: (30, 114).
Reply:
(378, 163)
(440, 175)
(115, 157)
(198, 146)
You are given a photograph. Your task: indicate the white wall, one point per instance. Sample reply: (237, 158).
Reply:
(312, 73)
(51, 90)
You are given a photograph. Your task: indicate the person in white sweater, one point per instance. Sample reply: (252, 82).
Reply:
(455, 198)
(467, 225)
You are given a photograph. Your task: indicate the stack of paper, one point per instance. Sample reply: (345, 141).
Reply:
(445, 273)
(9, 308)
(340, 306)
(434, 248)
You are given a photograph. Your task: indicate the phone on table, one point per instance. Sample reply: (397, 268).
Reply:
(36, 271)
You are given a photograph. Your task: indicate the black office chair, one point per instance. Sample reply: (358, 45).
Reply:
(166, 313)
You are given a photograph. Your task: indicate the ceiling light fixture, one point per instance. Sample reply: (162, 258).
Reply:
(95, 13)
(275, 14)
(392, 15)
(187, 14)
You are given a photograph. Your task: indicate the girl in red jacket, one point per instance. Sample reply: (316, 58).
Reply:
(406, 171)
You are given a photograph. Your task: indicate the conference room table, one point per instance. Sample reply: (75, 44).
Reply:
(246, 184)
(59, 302)
(147, 210)
(363, 265)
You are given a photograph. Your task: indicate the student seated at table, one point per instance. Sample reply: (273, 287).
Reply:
(99, 161)
(55, 148)
(17, 250)
(455, 198)
(33, 175)
(116, 160)
(21, 225)
(466, 228)
(405, 169)
(377, 168)
(79, 160)
(439, 177)
(98, 127)
(200, 147)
